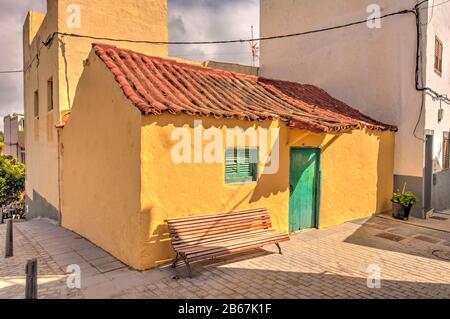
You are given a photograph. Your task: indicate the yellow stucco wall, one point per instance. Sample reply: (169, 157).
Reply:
(101, 166)
(357, 170)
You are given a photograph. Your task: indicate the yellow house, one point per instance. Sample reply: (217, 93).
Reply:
(150, 138)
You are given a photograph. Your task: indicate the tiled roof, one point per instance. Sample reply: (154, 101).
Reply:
(156, 85)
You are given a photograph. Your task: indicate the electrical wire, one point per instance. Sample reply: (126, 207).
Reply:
(54, 34)
(10, 72)
(276, 37)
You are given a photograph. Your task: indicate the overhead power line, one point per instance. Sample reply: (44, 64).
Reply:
(10, 72)
(248, 40)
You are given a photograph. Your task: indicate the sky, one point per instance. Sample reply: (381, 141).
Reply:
(189, 20)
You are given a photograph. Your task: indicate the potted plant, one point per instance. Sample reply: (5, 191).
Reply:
(403, 202)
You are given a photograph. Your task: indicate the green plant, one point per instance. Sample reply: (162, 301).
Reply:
(2, 140)
(406, 199)
(12, 180)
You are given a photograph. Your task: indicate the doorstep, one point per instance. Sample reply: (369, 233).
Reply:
(436, 221)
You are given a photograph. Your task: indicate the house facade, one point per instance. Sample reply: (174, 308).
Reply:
(14, 138)
(124, 172)
(53, 64)
(374, 66)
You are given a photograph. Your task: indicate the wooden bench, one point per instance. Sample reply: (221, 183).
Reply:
(211, 236)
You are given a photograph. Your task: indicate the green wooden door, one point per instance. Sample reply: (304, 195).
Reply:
(304, 188)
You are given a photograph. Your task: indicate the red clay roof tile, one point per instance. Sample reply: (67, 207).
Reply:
(156, 85)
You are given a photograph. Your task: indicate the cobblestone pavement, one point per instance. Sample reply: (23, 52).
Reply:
(331, 263)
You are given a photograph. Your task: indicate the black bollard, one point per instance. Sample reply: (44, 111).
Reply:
(31, 286)
(1, 217)
(9, 249)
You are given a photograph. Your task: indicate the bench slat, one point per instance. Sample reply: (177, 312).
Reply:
(231, 249)
(196, 218)
(222, 226)
(231, 242)
(178, 245)
(218, 232)
(213, 220)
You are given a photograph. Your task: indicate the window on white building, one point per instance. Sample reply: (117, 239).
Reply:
(438, 55)
(446, 152)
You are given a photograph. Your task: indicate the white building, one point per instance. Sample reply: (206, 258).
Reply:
(372, 65)
(14, 138)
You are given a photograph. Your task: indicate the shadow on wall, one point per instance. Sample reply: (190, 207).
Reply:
(40, 207)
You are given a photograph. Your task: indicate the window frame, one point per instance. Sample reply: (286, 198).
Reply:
(438, 56)
(50, 95)
(241, 177)
(36, 104)
(446, 151)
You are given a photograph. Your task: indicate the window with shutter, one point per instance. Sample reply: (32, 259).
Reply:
(446, 152)
(36, 104)
(438, 56)
(241, 165)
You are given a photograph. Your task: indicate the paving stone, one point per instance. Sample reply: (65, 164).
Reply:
(111, 266)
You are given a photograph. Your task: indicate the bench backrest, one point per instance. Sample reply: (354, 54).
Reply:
(191, 231)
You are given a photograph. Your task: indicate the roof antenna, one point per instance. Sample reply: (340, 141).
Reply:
(255, 50)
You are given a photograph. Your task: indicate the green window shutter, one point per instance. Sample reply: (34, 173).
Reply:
(241, 165)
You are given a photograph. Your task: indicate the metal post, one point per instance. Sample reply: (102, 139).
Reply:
(31, 286)
(1, 216)
(9, 251)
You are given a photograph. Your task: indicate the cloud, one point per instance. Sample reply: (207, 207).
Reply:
(189, 20)
(12, 17)
(210, 20)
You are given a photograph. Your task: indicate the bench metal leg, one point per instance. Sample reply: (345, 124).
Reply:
(279, 248)
(187, 265)
(174, 266)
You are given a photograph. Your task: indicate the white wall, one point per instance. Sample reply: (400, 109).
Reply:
(11, 135)
(370, 69)
(438, 24)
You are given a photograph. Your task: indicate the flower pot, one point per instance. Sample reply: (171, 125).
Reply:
(401, 212)
(406, 212)
(398, 211)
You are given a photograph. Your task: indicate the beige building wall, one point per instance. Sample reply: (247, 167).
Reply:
(62, 61)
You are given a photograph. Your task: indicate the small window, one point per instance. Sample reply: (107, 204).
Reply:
(21, 125)
(438, 54)
(241, 165)
(36, 104)
(446, 152)
(50, 94)
(22, 155)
